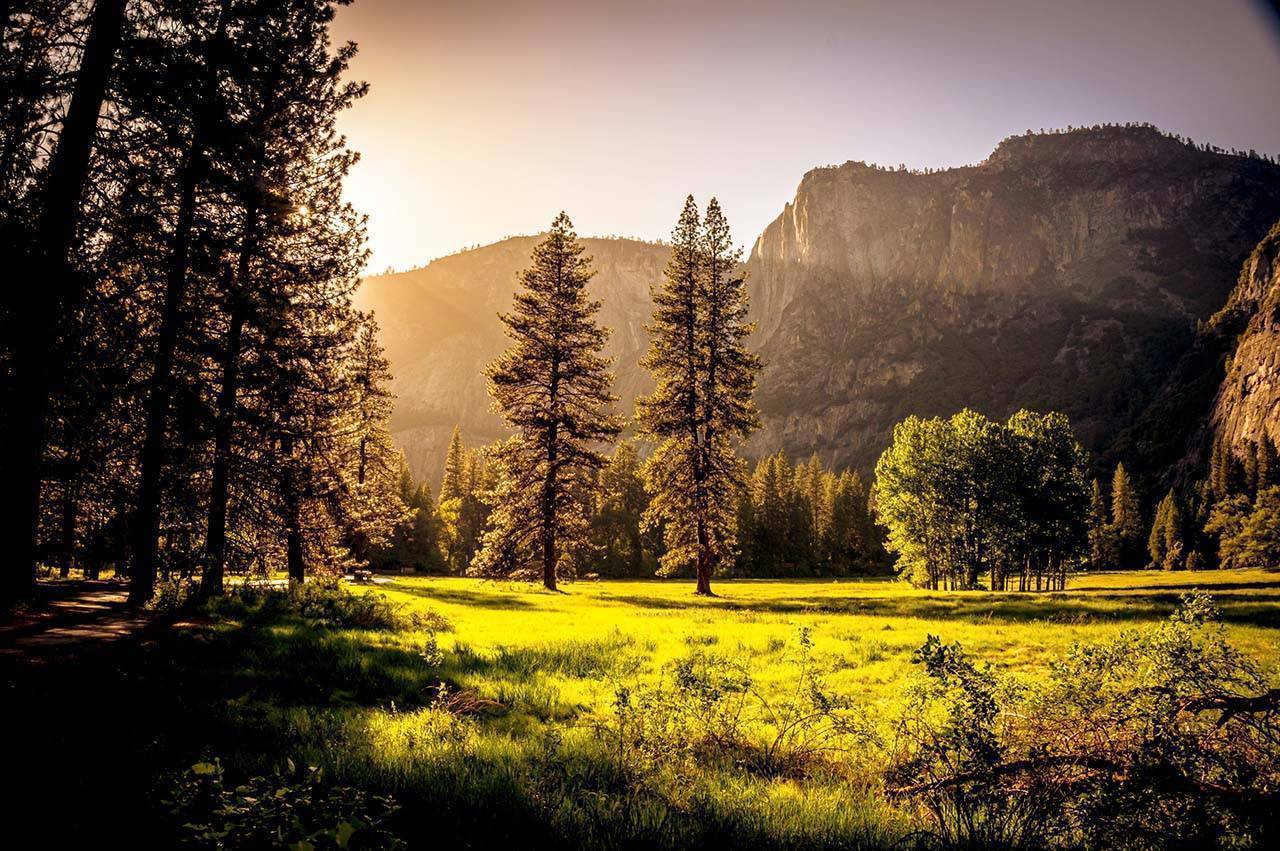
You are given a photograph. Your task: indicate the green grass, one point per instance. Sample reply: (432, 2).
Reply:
(511, 751)
(580, 641)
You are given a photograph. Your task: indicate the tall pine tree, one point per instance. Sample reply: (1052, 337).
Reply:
(702, 404)
(552, 386)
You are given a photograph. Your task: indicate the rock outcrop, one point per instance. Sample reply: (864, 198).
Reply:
(1068, 271)
(1247, 405)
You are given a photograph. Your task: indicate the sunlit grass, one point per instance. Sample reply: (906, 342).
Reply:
(491, 729)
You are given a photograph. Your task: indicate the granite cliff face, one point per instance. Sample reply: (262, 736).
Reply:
(440, 328)
(1248, 402)
(1066, 272)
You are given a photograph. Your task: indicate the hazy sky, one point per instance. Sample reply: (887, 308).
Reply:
(486, 117)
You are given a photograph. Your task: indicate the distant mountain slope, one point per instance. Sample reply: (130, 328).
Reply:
(440, 328)
(1066, 272)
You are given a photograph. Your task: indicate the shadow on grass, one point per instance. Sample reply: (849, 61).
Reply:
(465, 597)
(978, 607)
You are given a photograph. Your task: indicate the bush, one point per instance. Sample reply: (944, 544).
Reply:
(1160, 737)
(331, 606)
(708, 709)
(292, 809)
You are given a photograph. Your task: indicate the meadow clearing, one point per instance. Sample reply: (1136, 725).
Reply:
(503, 714)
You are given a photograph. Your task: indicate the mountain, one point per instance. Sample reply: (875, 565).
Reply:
(1068, 271)
(1247, 405)
(440, 328)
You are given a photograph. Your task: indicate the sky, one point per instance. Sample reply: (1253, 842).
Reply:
(487, 117)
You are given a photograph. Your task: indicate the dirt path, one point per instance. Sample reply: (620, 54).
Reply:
(74, 617)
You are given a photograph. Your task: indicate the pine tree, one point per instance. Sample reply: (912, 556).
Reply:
(1126, 518)
(671, 416)
(454, 484)
(1268, 468)
(1100, 550)
(34, 358)
(702, 405)
(552, 386)
(728, 377)
(617, 532)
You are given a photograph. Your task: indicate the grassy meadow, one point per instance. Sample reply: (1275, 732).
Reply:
(495, 713)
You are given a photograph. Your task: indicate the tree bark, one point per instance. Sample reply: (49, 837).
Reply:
(216, 536)
(295, 557)
(147, 528)
(34, 360)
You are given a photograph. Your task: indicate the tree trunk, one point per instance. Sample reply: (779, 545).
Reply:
(34, 359)
(70, 499)
(216, 538)
(147, 529)
(293, 542)
(704, 559)
(151, 462)
(294, 556)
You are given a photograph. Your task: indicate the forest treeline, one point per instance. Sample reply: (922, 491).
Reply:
(188, 387)
(793, 520)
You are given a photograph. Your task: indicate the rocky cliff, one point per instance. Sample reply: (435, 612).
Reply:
(1247, 405)
(440, 329)
(1068, 271)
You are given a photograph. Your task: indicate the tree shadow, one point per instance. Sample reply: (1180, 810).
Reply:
(981, 607)
(464, 597)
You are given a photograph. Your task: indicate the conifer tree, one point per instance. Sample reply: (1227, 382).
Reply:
(453, 485)
(702, 404)
(1100, 550)
(1268, 467)
(552, 386)
(1166, 543)
(671, 416)
(1126, 517)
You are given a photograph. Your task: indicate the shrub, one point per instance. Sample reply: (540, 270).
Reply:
(332, 606)
(287, 809)
(1159, 736)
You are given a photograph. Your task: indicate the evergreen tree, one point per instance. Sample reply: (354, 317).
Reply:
(702, 404)
(1268, 466)
(1100, 549)
(454, 484)
(552, 386)
(44, 254)
(617, 534)
(671, 416)
(728, 375)
(1126, 518)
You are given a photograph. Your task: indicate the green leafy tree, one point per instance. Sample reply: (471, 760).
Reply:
(964, 495)
(1248, 535)
(552, 386)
